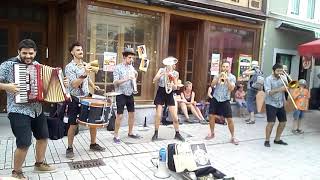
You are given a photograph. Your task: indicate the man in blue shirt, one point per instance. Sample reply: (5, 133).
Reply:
(224, 85)
(25, 118)
(275, 97)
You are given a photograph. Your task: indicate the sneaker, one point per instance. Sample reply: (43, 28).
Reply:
(134, 136)
(96, 147)
(44, 167)
(204, 122)
(116, 140)
(280, 142)
(251, 122)
(69, 153)
(299, 131)
(234, 141)
(179, 137)
(247, 120)
(19, 175)
(189, 121)
(294, 131)
(154, 137)
(267, 144)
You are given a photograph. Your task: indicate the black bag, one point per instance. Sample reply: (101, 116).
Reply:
(209, 170)
(112, 120)
(171, 151)
(55, 128)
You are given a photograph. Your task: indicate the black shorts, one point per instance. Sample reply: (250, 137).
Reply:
(273, 113)
(74, 108)
(220, 108)
(123, 100)
(163, 98)
(23, 126)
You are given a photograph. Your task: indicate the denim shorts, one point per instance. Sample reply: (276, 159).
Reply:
(251, 100)
(298, 114)
(24, 126)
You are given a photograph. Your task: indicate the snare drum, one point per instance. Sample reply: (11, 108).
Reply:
(94, 112)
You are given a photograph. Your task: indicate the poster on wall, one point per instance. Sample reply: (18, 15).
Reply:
(215, 62)
(142, 51)
(244, 64)
(144, 64)
(109, 61)
(230, 59)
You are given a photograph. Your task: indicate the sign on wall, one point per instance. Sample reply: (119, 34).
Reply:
(215, 62)
(244, 64)
(109, 62)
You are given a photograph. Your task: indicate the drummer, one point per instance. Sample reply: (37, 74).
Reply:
(78, 74)
(123, 76)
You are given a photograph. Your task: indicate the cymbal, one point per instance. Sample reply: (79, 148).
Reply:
(112, 94)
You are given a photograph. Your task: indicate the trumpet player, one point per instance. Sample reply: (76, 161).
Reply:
(224, 85)
(123, 76)
(275, 88)
(164, 95)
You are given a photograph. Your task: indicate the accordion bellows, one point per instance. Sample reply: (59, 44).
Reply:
(39, 83)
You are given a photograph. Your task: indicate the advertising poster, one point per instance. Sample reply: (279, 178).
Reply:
(215, 62)
(244, 64)
(142, 52)
(109, 62)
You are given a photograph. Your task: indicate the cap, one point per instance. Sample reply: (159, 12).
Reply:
(254, 63)
(302, 82)
(128, 51)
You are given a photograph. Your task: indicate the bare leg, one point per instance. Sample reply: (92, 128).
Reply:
(157, 117)
(117, 125)
(174, 116)
(93, 135)
(212, 123)
(184, 109)
(199, 113)
(194, 112)
(131, 121)
(41, 147)
(269, 130)
(71, 133)
(231, 126)
(19, 157)
(299, 124)
(295, 124)
(280, 129)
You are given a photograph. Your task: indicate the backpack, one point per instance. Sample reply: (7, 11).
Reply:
(257, 80)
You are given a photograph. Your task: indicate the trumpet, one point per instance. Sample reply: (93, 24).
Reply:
(94, 65)
(291, 84)
(223, 77)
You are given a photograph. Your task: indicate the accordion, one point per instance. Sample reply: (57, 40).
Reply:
(39, 82)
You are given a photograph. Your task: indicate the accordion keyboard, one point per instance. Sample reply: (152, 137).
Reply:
(22, 80)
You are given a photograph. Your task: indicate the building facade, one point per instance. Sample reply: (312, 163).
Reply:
(191, 30)
(291, 23)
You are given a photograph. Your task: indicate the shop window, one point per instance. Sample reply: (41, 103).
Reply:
(231, 43)
(284, 59)
(110, 31)
(295, 6)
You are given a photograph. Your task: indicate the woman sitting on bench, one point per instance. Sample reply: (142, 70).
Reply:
(188, 103)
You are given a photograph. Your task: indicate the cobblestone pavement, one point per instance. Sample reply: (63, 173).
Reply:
(131, 159)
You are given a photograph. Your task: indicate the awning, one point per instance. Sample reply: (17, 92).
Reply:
(310, 49)
(298, 27)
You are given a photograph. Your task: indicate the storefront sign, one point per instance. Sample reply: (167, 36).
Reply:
(244, 64)
(306, 62)
(142, 52)
(109, 62)
(215, 62)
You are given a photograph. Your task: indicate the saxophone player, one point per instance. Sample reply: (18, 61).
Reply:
(220, 105)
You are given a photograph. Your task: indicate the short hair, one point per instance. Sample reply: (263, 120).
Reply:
(187, 83)
(277, 66)
(27, 43)
(77, 43)
(225, 61)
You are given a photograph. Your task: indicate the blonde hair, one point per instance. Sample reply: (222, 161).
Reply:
(187, 83)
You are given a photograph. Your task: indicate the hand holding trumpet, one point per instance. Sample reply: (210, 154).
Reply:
(223, 77)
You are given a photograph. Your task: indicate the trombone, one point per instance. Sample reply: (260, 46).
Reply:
(291, 84)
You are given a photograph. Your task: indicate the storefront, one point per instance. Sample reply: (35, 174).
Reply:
(106, 27)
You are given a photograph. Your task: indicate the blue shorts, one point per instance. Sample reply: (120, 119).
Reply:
(298, 114)
(241, 103)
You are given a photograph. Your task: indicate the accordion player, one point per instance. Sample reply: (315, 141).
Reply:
(39, 82)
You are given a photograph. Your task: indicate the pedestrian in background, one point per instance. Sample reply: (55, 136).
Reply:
(301, 97)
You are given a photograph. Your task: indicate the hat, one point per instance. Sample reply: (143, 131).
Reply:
(254, 63)
(170, 61)
(128, 51)
(302, 82)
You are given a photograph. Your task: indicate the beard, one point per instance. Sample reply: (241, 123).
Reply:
(79, 56)
(26, 60)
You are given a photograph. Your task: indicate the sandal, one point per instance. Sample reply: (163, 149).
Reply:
(209, 137)
(234, 141)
